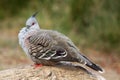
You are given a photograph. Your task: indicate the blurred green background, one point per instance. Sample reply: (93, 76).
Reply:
(93, 25)
(89, 23)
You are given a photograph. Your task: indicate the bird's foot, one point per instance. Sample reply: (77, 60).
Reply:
(37, 65)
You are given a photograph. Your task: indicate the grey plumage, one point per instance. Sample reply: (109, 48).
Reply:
(50, 47)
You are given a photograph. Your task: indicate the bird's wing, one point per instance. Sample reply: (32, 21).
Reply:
(75, 53)
(72, 49)
(42, 46)
(66, 43)
(57, 48)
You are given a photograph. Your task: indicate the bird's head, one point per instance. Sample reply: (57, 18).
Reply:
(32, 23)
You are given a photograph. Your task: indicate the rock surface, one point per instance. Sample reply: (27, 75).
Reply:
(45, 73)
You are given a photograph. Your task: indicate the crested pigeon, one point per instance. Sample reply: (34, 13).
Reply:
(49, 47)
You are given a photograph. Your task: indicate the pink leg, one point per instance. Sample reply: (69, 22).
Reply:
(37, 65)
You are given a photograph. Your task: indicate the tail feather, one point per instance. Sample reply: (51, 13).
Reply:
(94, 66)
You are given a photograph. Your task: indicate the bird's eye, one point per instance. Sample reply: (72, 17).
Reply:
(33, 23)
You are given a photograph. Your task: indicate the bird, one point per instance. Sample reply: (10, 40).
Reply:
(49, 47)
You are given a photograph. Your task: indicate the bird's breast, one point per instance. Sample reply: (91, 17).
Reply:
(23, 39)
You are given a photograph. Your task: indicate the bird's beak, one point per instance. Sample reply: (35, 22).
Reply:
(35, 14)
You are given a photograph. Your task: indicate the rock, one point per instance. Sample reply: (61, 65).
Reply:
(45, 73)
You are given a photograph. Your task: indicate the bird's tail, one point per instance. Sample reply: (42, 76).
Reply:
(94, 66)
